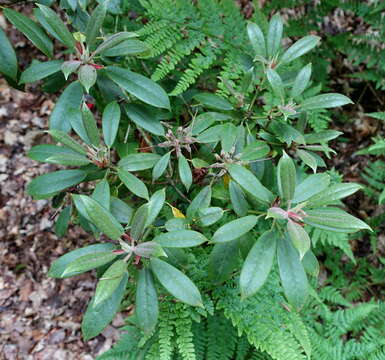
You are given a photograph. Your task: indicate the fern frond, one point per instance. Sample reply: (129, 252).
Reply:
(340, 240)
(200, 62)
(263, 319)
(184, 337)
(166, 333)
(200, 339)
(220, 347)
(243, 348)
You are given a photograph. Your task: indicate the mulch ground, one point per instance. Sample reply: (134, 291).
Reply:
(40, 317)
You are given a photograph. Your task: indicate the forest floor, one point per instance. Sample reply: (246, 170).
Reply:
(40, 317)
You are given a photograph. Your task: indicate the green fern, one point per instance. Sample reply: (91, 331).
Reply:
(220, 347)
(191, 37)
(352, 334)
(184, 337)
(166, 345)
(340, 240)
(264, 319)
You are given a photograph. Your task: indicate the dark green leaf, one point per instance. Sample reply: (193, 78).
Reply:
(155, 205)
(58, 26)
(205, 120)
(299, 48)
(258, 264)
(114, 40)
(184, 172)
(139, 161)
(90, 125)
(133, 184)
(94, 25)
(308, 159)
(62, 221)
(301, 81)
(8, 60)
(180, 239)
(59, 266)
(48, 184)
(274, 35)
(254, 151)
(127, 47)
(333, 194)
(292, 273)
(98, 317)
(101, 193)
(101, 217)
(325, 101)
(146, 303)
(228, 137)
(312, 185)
(68, 159)
(213, 101)
(177, 283)
(139, 222)
(234, 229)
(160, 166)
(201, 201)
(89, 262)
(250, 183)
(110, 281)
(322, 136)
(222, 261)
(286, 177)
(286, 133)
(121, 211)
(69, 99)
(87, 76)
(238, 200)
(143, 118)
(76, 120)
(275, 82)
(43, 152)
(210, 135)
(39, 71)
(66, 140)
(257, 39)
(43, 22)
(110, 122)
(31, 30)
(334, 219)
(143, 88)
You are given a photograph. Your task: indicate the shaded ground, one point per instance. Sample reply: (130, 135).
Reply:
(40, 317)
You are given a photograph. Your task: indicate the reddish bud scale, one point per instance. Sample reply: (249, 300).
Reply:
(97, 67)
(79, 47)
(294, 216)
(127, 237)
(118, 251)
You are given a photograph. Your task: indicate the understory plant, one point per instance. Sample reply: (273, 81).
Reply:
(201, 205)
